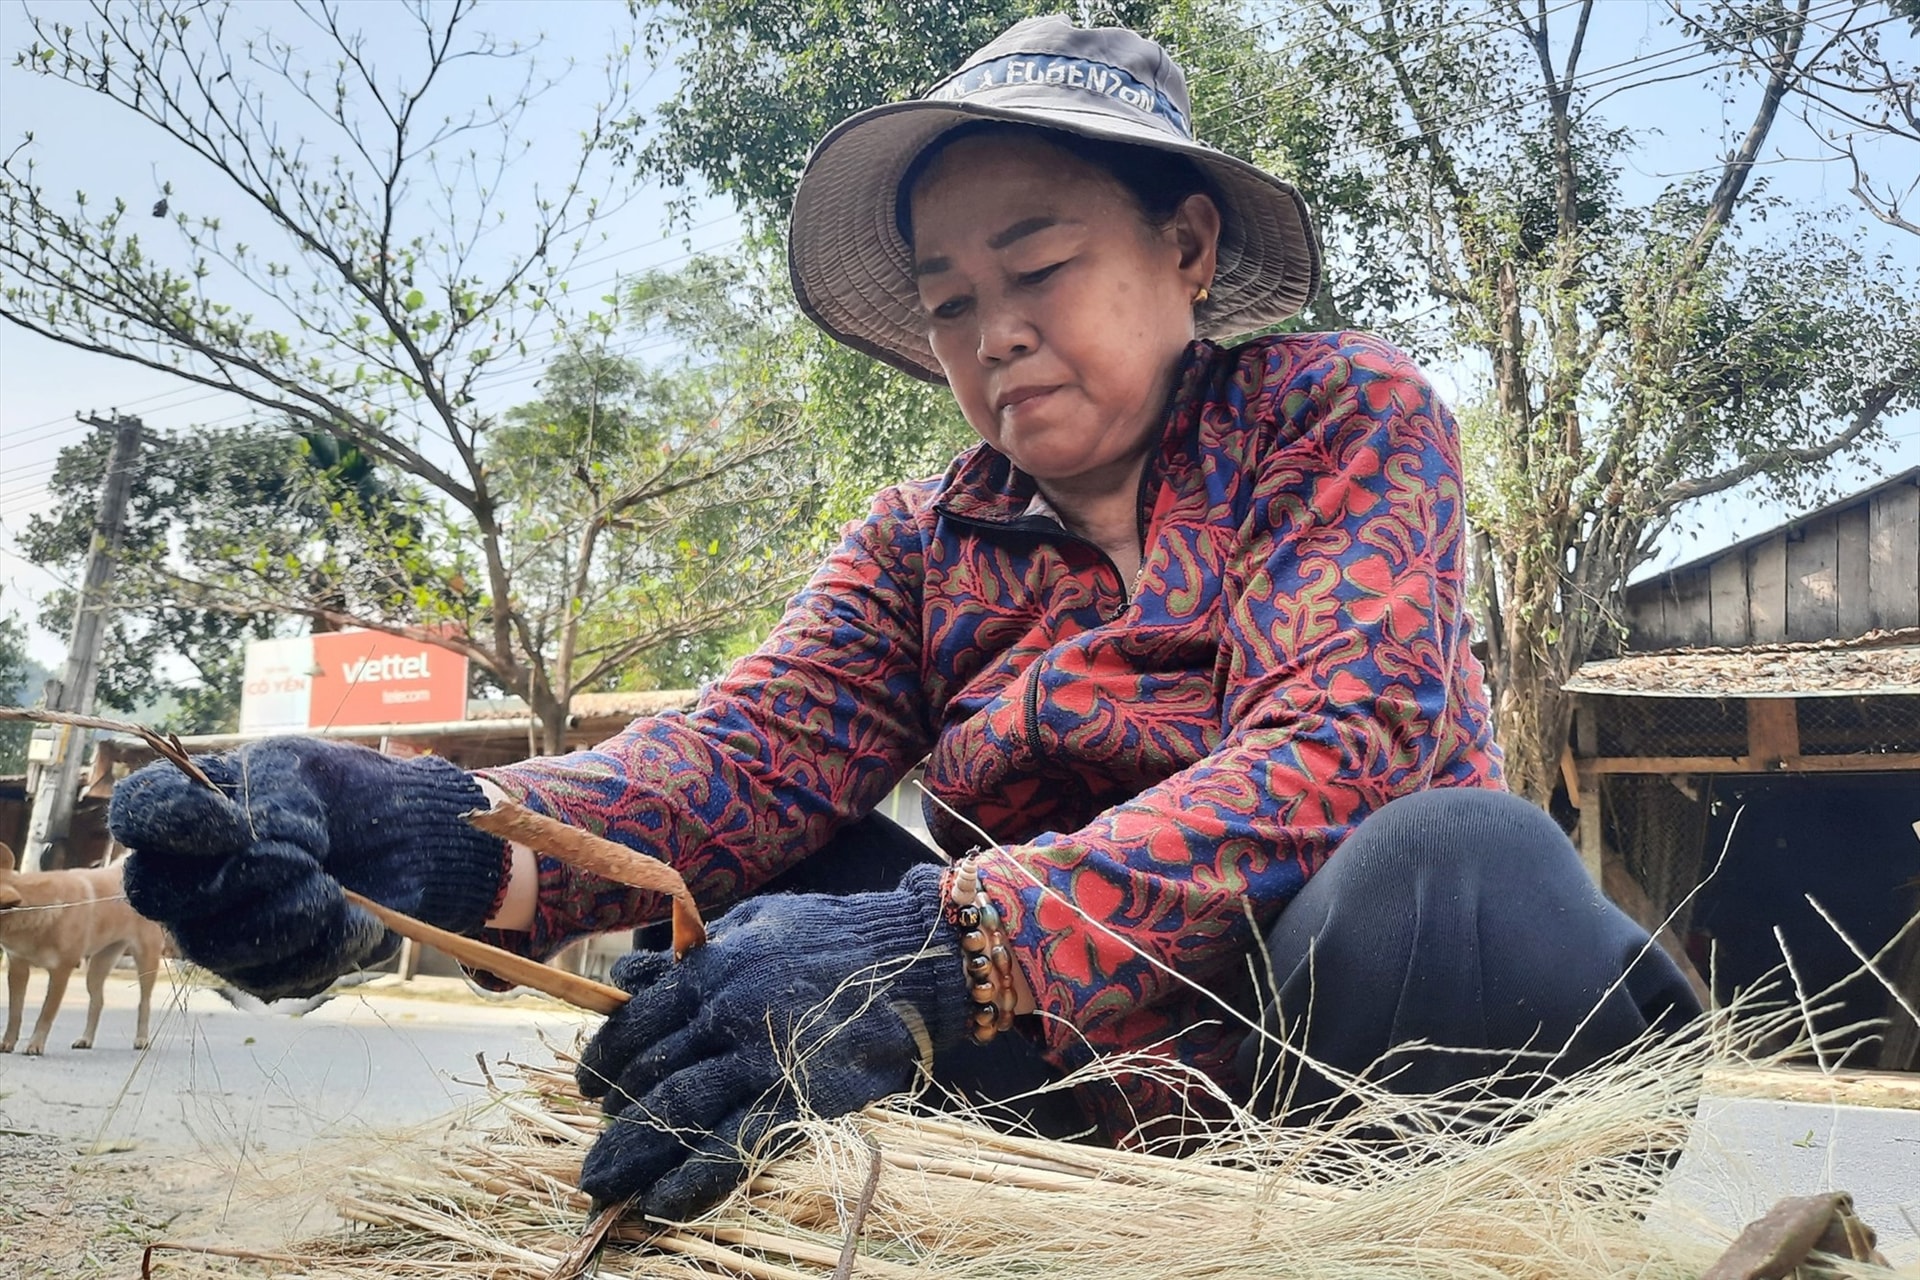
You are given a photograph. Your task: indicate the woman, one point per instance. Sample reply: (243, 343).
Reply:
(1185, 623)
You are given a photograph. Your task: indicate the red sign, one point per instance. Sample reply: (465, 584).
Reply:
(370, 677)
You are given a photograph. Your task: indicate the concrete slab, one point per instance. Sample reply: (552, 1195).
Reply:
(1746, 1153)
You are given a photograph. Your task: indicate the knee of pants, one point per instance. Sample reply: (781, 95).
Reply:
(1464, 918)
(1442, 832)
(1437, 863)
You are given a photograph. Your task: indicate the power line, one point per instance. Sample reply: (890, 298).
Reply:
(26, 479)
(71, 426)
(1218, 43)
(503, 374)
(1305, 81)
(529, 370)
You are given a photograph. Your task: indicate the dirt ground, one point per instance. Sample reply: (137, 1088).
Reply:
(77, 1217)
(237, 1125)
(229, 1128)
(67, 1214)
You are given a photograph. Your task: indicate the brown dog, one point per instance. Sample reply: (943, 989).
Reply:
(56, 919)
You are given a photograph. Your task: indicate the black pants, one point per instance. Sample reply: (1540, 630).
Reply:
(1461, 918)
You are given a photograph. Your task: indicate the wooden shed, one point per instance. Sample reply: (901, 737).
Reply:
(1748, 770)
(1842, 571)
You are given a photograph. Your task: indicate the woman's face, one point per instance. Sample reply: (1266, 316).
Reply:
(1057, 312)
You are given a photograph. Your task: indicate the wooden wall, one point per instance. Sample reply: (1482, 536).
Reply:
(16, 811)
(1851, 569)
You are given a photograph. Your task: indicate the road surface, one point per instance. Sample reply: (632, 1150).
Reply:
(222, 1079)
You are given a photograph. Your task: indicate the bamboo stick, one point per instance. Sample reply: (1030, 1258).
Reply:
(581, 993)
(166, 744)
(603, 858)
(438, 1226)
(551, 1124)
(843, 1267)
(210, 1250)
(583, 1257)
(807, 1251)
(988, 1171)
(508, 820)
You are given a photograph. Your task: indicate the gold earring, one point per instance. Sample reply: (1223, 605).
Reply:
(1201, 296)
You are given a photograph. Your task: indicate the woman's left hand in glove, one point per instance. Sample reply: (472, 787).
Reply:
(799, 1005)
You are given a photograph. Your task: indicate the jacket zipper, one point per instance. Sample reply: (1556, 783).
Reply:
(1033, 717)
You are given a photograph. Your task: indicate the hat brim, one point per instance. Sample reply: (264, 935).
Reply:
(852, 270)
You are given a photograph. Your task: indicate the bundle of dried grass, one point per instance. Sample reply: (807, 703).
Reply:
(1549, 1188)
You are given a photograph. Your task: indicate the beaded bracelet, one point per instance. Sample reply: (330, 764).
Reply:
(984, 959)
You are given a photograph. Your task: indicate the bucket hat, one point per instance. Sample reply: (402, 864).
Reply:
(851, 267)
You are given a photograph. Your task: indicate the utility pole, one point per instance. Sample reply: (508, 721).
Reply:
(60, 776)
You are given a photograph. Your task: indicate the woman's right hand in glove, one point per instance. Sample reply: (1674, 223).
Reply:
(800, 1004)
(248, 878)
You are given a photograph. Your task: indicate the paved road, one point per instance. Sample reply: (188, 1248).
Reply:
(223, 1080)
(220, 1082)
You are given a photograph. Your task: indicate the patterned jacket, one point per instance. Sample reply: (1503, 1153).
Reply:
(1162, 767)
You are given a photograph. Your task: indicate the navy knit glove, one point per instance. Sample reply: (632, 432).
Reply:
(248, 881)
(799, 1004)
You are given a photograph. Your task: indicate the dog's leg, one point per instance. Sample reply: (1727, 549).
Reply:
(56, 991)
(148, 961)
(18, 972)
(97, 970)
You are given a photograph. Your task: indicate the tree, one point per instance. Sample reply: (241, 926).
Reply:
(657, 513)
(412, 263)
(1638, 356)
(648, 518)
(1870, 103)
(1625, 358)
(13, 692)
(254, 503)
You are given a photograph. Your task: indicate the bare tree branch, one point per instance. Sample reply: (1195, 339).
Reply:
(1863, 420)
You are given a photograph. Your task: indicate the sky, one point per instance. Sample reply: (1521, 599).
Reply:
(82, 142)
(85, 143)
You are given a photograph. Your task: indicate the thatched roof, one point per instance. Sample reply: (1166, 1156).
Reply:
(1879, 663)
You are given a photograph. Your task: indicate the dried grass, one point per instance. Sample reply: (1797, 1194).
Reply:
(1549, 1188)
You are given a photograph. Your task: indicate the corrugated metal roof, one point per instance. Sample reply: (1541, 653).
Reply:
(1880, 663)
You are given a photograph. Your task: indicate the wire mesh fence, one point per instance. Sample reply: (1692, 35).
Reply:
(1660, 823)
(1637, 726)
(1657, 824)
(1859, 725)
(1844, 724)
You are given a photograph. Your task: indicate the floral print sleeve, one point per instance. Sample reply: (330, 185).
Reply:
(811, 729)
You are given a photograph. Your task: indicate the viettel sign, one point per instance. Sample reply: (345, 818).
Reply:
(349, 678)
(370, 677)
